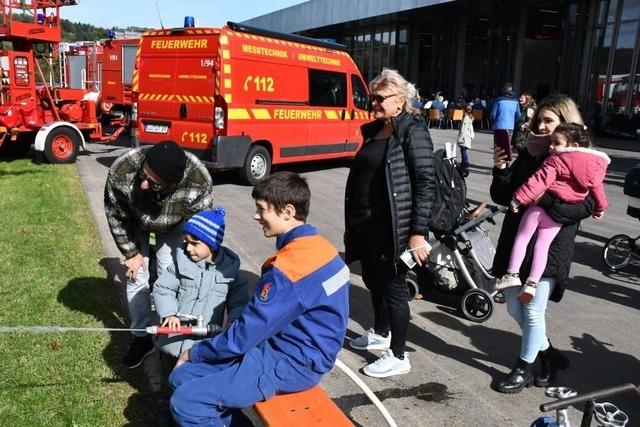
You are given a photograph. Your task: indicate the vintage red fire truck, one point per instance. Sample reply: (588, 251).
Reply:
(246, 98)
(105, 69)
(57, 120)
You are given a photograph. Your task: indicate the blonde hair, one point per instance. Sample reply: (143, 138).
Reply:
(392, 79)
(562, 106)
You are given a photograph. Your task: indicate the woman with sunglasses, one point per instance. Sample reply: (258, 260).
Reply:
(388, 200)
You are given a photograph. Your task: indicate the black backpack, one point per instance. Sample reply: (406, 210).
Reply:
(450, 192)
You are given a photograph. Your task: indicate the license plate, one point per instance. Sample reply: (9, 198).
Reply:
(149, 128)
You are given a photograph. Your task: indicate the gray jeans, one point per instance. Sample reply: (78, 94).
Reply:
(138, 291)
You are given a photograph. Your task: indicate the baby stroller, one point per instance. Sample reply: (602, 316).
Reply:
(460, 262)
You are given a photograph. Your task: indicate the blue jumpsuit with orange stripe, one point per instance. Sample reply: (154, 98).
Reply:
(287, 337)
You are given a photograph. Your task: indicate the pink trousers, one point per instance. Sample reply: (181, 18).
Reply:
(534, 219)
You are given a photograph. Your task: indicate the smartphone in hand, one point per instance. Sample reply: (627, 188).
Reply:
(501, 140)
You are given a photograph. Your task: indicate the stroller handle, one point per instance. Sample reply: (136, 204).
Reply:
(598, 394)
(489, 212)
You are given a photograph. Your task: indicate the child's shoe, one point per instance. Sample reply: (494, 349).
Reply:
(509, 280)
(528, 291)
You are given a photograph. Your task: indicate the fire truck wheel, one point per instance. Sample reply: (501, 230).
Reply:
(62, 145)
(256, 166)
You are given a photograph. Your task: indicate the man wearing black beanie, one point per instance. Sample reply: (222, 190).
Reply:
(149, 193)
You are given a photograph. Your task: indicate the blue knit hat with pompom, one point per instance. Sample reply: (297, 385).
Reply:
(207, 226)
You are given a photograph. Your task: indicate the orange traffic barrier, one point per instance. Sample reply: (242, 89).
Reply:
(307, 408)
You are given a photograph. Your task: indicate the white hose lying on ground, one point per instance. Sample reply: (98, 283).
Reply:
(378, 404)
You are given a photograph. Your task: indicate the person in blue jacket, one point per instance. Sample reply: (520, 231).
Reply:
(289, 334)
(505, 110)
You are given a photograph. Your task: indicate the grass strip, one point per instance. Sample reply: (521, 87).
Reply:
(50, 274)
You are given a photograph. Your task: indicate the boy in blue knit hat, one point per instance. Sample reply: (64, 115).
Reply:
(204, 281)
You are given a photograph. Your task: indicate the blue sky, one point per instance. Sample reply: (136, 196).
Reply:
(142, 13)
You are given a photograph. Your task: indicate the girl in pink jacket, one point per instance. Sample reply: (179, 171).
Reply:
(570, 173)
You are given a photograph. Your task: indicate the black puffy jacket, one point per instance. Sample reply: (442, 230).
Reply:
(410, 181)
(504, 184)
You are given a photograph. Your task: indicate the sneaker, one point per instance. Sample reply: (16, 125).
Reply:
(388, 365)
(371, 341)
(140, 348)
(509, 280)
(528, 292)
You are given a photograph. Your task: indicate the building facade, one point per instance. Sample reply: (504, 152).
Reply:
(586, 48)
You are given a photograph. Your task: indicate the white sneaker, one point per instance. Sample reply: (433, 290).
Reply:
(509, 280)
(388, 365)
(371, 341)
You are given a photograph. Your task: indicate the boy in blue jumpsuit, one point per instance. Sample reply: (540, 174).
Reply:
(291, 331)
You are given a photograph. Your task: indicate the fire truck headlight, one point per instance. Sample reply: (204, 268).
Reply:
(219, 117)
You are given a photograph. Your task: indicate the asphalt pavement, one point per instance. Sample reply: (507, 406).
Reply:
(453, 359)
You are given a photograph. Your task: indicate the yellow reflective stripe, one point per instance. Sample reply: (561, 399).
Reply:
(211, 99)
(261, 113)
(227, 83)
(224, 40)
(347, 116)
(227, 68)
(333, 115)
(225, 54)
(228, 98)
(238, 114)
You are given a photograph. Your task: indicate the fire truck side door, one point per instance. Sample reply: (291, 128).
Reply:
(329, 132)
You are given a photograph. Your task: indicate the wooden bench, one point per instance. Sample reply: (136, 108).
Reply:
(307, 408)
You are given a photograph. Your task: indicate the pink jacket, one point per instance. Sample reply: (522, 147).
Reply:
(569, 175)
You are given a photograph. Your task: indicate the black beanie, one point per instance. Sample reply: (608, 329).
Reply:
(167, 160)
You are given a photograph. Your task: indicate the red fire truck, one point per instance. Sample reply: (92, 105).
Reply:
(246, 98)
(57, 120)
(105, 69)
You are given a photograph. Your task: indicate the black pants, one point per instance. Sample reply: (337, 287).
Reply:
(388, 295)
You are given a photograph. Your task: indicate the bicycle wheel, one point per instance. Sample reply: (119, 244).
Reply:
(617, 252)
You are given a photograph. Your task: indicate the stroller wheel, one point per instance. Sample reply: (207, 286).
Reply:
(477, 305)
(413, 288)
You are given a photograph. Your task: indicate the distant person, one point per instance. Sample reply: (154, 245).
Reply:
(527, 108)
(477, 104)
(149, 193)
(416, 103)
(571, 172)
(289, 334)
(505, 111)
(439, 104)
(465, 136)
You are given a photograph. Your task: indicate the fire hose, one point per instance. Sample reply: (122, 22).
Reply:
(198, 330)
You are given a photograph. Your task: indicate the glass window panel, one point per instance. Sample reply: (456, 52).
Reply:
(359, 93)
(630, 9)
(392, 38)
(327, 88)
(611, 16)
(624, 48)
(619, 84)
(602, 10)
(402, 35)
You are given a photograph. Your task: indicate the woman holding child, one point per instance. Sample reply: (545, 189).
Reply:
(530, 316)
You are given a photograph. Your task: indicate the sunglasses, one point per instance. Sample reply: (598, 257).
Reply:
(379, 98)
(153, 186)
